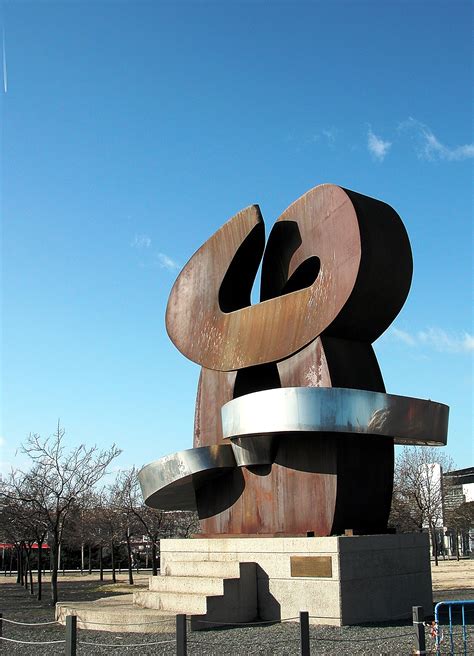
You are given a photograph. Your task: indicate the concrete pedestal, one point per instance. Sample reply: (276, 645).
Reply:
(338, 580)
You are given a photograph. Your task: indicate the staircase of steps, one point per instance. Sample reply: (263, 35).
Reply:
(212, 592)
(116, 613)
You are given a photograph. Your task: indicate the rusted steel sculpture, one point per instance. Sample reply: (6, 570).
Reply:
(272, 456)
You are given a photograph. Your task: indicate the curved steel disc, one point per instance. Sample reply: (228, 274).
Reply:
(336, 410)
(170, 483)
(230, 339)
(336, 262)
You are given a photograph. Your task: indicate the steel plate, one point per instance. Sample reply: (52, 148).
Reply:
(336, 410)
(170, 483)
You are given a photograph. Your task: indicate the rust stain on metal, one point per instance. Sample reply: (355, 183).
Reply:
(332, 281)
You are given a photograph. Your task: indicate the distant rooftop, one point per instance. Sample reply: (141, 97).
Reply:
(461, 476)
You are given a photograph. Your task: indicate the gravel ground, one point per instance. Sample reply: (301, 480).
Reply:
(395, 638)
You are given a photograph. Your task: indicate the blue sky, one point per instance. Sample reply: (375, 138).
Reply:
(132, 131)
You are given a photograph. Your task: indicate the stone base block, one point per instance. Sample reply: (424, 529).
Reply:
(339, 580)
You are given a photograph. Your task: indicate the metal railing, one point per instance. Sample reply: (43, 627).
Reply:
(71, 637)
(437, 631)
(180, 639)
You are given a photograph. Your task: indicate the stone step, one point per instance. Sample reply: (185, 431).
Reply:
(176, 602)
(213, 590)
(116, 614)
(206, 585)
(209, 568)
(197, 555)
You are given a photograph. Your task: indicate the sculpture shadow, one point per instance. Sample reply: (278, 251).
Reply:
(220, 493)
(310, 452)
(265, 599)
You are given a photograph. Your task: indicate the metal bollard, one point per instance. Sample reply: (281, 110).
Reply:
(181, 646)
(304, 633)
(419, 625)
(1, 628)
(71, 635)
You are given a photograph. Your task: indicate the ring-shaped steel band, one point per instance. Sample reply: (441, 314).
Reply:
(170, 482)
(336, 410)
(252, 420)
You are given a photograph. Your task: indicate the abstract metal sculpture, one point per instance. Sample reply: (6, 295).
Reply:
(294, 434)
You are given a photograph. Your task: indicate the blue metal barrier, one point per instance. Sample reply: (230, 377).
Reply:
(450, 605)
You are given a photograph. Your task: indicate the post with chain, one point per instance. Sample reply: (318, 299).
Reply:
(181, 647)
(419, 626)
(304, 633)
(71, 635)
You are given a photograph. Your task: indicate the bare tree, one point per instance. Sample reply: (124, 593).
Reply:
(97, 528)
(417, 502)
(56, 479)
(155, 524)
(122, 497)
(180, 524)
(12, 528)
(22, 525)
(130, 498)
(40, 529)
(460, 521)
(80, 526)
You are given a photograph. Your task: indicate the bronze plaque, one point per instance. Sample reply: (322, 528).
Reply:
(311, 566)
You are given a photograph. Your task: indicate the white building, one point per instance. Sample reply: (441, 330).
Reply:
(458, 488)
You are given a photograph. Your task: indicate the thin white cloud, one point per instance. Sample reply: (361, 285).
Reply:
(436, 338)
(403, 336)
(377, 147)
(167, 262)
(326, 136)
(442, 341)
(468, 342)
(141, 241)
(330, 135)
(429, 147)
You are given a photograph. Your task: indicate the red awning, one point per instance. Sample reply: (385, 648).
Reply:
(6, 545)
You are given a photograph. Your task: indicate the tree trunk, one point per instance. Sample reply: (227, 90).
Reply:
(435, 545)
(101, 565)
(112, 554)
(19, 565)
(25, 569)
(89, 547)
(153, 558)
(40, 559)
(23, 566)
(130, 564)
(30, 569)
(11, 560)
(54, 571)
